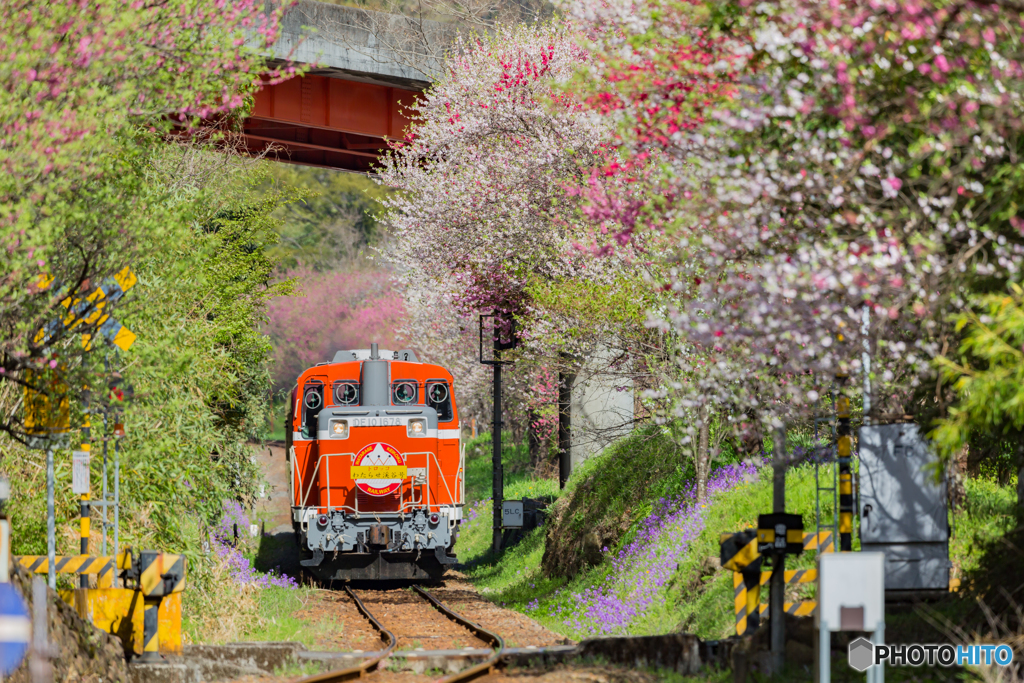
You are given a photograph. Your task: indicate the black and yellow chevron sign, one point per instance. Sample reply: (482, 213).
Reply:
(161, 573)
(100, 565)
(739, 553)
(91, 311)
(804, 608)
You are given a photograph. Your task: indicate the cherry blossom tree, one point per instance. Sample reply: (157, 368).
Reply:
(483, 213)
(855, 156)
(331, 311)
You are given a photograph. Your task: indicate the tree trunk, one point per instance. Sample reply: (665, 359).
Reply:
(533, 439)
(703, 460)
(974, 457)
(565, 382)
(958, 472)
(1020, 481)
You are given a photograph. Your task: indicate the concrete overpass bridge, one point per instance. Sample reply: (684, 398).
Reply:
(367, 65)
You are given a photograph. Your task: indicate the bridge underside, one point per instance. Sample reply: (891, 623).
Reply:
(327, 121)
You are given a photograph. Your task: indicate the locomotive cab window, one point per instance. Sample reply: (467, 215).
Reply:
(312, 403)
(346, 393)
(405, 392)
(439, 397)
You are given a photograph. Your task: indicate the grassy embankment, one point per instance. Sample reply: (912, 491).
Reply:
(697, 596)
(623, 488)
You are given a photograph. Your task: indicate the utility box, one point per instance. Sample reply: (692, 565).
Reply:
(851, 591)
(903, 509)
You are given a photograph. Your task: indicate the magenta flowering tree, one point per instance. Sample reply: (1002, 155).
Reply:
(481, 210)
(89, 93)
(861, 158)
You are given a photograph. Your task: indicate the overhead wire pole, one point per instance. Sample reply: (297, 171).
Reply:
(85, 507)
(497, 484)
(51, 522)
(496, 346)
(565, 381)
(844, 449)
(777, 594)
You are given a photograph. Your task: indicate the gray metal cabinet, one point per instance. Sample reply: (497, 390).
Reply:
(903, 509)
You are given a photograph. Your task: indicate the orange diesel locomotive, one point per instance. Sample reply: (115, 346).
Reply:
(377, 472)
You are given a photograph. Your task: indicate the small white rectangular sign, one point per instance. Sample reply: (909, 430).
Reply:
(512, 514)
(5, 551)
(851, 585)
(80, 472)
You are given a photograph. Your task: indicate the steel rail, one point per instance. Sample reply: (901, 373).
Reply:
(493, 639)
(368, 666)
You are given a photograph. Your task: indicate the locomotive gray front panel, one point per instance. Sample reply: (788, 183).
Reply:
(411, 532)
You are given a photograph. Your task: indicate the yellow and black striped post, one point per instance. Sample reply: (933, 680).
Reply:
(160, 574)
(151, 631)
(739, 553)
(844, 448)
(85, 511)
(804, 608)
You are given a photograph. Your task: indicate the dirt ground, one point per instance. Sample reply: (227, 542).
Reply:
(415, 623)
(517, 629)
(559, 674)
(418, 626)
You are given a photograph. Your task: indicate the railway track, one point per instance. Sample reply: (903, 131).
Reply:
(372, 664)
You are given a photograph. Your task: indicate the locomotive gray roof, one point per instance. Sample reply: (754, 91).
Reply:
(364, 354)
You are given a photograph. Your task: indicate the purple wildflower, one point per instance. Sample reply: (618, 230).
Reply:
(239, 567)
(642, 568)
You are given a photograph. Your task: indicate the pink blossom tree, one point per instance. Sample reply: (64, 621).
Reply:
(483, 214)
(860, 159)
(331, 311)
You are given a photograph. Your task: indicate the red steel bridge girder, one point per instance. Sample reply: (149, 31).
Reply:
(329, 122)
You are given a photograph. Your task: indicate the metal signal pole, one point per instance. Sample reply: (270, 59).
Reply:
(495, 345)
(844, 452)
(497, 484)
(777, 594)
(85, 511)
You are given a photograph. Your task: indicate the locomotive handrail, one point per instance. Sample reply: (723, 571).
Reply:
(441, 477)
(404, 506)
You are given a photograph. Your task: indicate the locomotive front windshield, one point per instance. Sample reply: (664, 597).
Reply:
(405, 392)
(346, 393)
(439, 397)
(312, 402)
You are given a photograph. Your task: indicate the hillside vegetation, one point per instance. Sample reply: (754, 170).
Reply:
(627, 550)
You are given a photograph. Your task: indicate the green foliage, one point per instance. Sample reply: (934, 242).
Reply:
(700, 595)
(198, 368)
(988, 376)
(583, 305)
(83, 194)
(987, 514)
(333, 223)
(514, 459)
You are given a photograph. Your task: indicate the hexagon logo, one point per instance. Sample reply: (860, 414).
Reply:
(861, 654)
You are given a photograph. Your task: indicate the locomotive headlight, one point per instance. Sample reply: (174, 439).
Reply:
(418, 427)
(338, 429)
